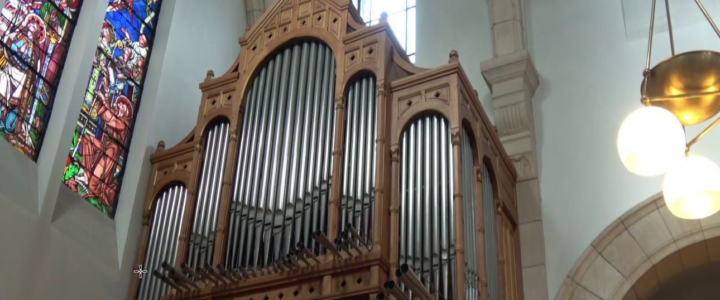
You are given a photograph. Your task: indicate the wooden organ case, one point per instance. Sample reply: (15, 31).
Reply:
(325, 165)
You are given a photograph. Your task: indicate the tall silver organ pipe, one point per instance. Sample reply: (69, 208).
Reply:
(472, 279)
(163, 242)
(491, 251)
(282, 181)
(202, 238)
(427, 233)
(358, 199)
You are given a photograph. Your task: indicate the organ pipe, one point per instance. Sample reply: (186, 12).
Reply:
(427, 233)
(472, 279)
(163, 243)
(202, 237)
(358, 200)
(283, 176)
(491, 249)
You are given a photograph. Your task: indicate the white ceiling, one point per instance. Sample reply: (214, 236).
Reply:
(636, 14)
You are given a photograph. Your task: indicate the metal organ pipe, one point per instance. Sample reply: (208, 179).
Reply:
(282, 181)
(427, 234)
(202, 238)
(163, 242)
(491, 250)
(358, 200)
(472, 279)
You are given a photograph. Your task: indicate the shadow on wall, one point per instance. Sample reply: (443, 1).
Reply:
(702, 283)
(539, 99)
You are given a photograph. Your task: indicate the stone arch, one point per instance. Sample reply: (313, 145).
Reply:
(639, 251)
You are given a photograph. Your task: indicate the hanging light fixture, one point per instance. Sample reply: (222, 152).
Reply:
(680, 91)
(650, 140)
(692, 188)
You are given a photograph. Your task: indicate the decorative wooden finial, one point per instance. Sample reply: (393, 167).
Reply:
(383, 17)
(453, 56)
(160, 146)
(209, 75)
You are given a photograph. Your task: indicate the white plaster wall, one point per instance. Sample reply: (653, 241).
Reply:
(463, 25)
(590, 76)
(54, 245)
(196, 47)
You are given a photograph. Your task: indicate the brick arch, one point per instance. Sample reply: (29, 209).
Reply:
(639, 252)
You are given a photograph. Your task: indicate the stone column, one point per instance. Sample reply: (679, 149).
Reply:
(513, 79)
(253, 11)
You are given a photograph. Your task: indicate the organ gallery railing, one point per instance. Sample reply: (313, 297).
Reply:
(324, 165)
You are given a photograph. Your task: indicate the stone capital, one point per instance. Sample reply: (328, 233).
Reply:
(525, 165)
(513, 80)
(506, 68)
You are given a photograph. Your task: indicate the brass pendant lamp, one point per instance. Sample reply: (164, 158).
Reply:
(682, 90)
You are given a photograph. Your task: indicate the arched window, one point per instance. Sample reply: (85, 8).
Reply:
(98, 150)
(401, 16)
(34, 36)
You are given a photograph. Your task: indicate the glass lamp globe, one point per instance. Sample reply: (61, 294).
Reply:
(692, 188)
(650, 140)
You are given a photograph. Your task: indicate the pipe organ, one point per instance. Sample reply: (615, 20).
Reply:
(491, 253)
(472, 279)
(358, 191)
(427, 231)
(283, 177)
(324, 165)
(163, 242)
(204, 225)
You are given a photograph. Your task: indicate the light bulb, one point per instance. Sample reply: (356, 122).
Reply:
(692, 188)
(650, 140)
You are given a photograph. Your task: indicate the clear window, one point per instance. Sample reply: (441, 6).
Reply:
(401, 16)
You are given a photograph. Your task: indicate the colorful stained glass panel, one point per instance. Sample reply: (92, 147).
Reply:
(31, 135)
(34, 38)
(102, 136)
(108, 86)
(128, 54)
(91, 187)
(144, 10)
(69, 8)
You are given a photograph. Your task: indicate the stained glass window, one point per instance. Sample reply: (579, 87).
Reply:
(34, 38)
(401, 16)
(101, 140)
